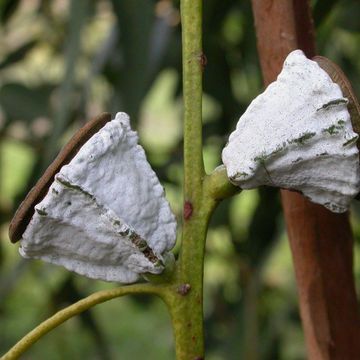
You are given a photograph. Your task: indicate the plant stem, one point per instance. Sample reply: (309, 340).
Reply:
(186, 306)
(191, 21)
(75, 309)
(192, 247)
(217, 185)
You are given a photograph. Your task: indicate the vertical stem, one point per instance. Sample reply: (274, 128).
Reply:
(186, 304)
(321, 241)
(191, 21)
(193, 237)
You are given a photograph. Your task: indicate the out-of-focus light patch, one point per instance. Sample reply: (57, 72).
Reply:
(16, 161)
(165, 10)
(41, 127)
(100, 93)
(278, 269)
(9, 252)
(341, 44)
(246, 84)
(97, 30)
(23, 25)
(210, 109)
(31, 70)
(60, 8)
(220, 264)
(219, 242)
(175, 173)
(355, 224)
(160, 111)
(220, 273)
(241, 212)
(233, 27)
(17, 130)
(212, 153)
(293, 343)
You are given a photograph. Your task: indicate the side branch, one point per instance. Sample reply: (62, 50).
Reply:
(217, 185)
(60, 317)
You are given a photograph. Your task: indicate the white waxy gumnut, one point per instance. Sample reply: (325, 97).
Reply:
(105, 216)
(297, 135)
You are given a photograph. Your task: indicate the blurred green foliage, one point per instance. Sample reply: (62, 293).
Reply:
(61, 63)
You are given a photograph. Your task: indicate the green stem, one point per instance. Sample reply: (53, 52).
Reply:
(217, 185)
(191, 22)
(75, 309)
(186, 307)
(191, 253)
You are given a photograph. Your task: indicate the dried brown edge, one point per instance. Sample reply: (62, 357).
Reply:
(338, 76)
(26, 210)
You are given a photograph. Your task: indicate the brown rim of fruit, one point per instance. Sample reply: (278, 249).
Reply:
(338, 76)
(26, 210)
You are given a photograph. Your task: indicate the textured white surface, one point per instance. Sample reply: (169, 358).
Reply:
(106, 189)
(297, 134)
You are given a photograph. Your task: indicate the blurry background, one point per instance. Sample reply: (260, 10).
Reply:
(63, 62)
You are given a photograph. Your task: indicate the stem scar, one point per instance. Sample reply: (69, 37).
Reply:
(183, 289)
(188, 210)
(203, 60)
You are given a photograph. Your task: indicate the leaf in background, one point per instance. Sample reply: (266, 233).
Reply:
(165, 24)
(20, 102)
(349, 18)
(78, 12)
(226, 57)
(322, 9)
(18, 54)
(135, 19)
(7, 8)
(263, 227)
(98, 63)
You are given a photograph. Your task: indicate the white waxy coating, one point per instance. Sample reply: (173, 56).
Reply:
(100, 209)
(298, 135)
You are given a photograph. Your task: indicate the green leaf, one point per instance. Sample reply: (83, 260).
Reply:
(322, 10)
(24, 103)
(18, 54)
(135, 20)
(79, 10)
(349, 16)
(7, 9)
